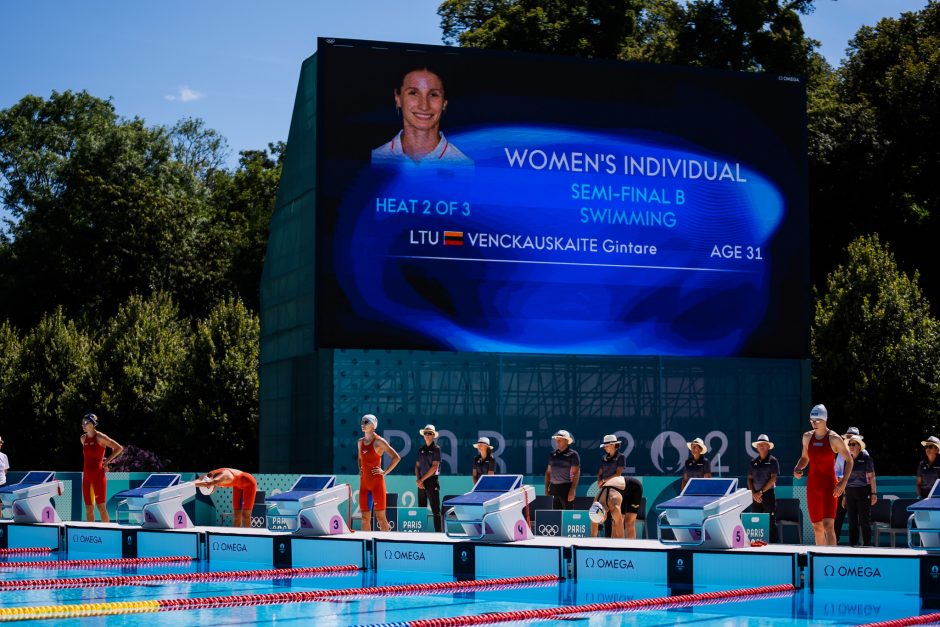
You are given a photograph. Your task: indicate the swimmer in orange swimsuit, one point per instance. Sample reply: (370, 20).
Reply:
(243, 487)
(820, 447)
(94, 481)
(371, 476)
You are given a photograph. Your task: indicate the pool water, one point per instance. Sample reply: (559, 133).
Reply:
(799, 608)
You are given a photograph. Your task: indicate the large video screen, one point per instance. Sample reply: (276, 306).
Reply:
(493, 202)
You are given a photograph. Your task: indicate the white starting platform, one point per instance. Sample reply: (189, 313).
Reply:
(310, 507)
(157, 503)
(30, 500)
(924, 521)
(707, 514)
(496, 510)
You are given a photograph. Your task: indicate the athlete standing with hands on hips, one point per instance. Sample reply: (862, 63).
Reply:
(94, 481)
(820, 447)
(371, 476)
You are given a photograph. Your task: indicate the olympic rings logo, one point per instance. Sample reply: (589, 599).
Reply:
(549, 530)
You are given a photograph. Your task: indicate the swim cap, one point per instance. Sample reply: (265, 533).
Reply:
(597, 513)
(93, 419)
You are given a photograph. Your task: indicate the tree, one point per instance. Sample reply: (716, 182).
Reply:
(10, 346)
(879, 156)
(221, 415)
(244, 201)
(744, 35)
(142, 354)
(55, 388)
(104, 208)
(611, 29)
(738, 35)
(876, 350)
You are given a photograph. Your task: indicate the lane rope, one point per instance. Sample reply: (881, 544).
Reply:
(926, 619)
(133, 580)
(27, 550)
(121, 561)
(699, 598)
(271, 598)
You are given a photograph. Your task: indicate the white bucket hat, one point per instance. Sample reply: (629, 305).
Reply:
(856, 438)
(852, 431)
(483, 440)
(429, 427)
(610, 439)
(561, 434)
(762, 438)
(700, 442)
(931, 441)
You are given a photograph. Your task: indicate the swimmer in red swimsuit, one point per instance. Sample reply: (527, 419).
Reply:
(244, 487)
(820, 447)
(371, 476)
(94, 482)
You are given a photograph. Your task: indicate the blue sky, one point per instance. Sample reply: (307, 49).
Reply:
(235, 63)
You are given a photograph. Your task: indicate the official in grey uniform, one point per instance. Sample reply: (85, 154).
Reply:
(563, 471)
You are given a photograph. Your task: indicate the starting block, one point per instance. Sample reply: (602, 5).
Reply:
(157, 503)
(926, 516)
(30, 500)
(495, 510)
(310, 507)
(707, 513)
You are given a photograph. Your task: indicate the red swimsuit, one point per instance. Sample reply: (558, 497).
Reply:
(92, 472)
(821, 479)
(369, 482)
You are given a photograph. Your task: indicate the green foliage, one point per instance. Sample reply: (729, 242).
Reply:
(106, 207)
(876, 350)
(878, 138)
(142, 353)
(55, 387)
(589, 28)
(10, 344)
(221, 414)
(727, 34)
(744, 35)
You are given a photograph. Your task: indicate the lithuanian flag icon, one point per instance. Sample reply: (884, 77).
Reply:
(453, 238)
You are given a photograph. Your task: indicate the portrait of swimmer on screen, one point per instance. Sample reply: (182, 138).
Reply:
(420, 102)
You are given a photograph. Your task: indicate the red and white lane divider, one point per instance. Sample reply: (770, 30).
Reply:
(926, 619)
(134, 580)
(700, 598)
(121, 561)
(35, 550)
(274, 598)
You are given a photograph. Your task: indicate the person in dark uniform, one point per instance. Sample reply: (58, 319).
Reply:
(483, 462)
(427, 469)
(563, 471)
(761, 478)
(929, 469)
(611, 484)
(697, 466)
(840, 472)
(860, 493)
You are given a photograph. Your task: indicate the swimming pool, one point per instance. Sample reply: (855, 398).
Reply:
(797, 608)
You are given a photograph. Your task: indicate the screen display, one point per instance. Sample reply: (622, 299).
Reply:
(489, 202)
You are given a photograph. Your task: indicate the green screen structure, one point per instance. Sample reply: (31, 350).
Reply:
(312, 395)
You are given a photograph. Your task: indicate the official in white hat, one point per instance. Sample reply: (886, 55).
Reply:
(697, 466)
(563, 471)
(483, 462)
(861, 493)
(427, 471)
(928, 471)
(762, 476)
